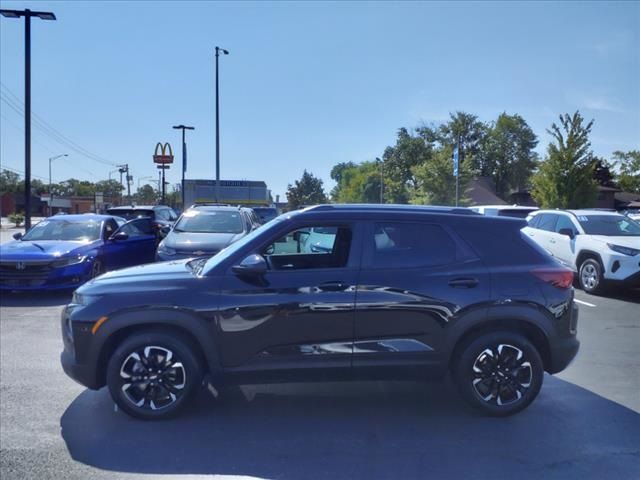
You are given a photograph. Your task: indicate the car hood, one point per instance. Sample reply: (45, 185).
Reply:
(153, 276)
(190, 242)
(631, 242)
(41, 250)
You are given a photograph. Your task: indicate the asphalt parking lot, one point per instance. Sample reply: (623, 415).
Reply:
(584, 424)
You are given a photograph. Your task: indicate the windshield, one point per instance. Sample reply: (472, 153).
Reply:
(202, 221)
(234, 247)
(130, 214)
(69, 230)
(266, 213)
(609, 225)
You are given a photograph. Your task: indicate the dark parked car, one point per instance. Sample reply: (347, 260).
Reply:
(162, 216)
(403, 293)
(64, 251)
(204, 230)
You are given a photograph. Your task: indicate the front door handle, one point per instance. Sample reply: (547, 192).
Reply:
(464, 282)
(333, 286)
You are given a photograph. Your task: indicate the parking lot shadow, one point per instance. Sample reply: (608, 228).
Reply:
(34, 299)
(363, 430)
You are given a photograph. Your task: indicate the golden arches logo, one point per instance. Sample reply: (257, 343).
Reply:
(160, 154)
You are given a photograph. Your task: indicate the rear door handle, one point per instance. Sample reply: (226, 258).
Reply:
(464, 282)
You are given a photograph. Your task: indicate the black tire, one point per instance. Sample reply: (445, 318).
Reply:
(491, 385)
(153, 395)
(590, 276)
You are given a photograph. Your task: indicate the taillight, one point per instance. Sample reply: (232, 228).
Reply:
(557, 276)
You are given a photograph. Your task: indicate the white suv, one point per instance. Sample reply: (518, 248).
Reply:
(598, 245)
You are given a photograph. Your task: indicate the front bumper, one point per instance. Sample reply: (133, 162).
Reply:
(83, 374)
(64, 278)
(623, 268)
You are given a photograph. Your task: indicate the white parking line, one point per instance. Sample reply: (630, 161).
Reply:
(584, 303)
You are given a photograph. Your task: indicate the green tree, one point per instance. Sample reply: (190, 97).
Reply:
(507, 154)
(565, 178)
(110, 188)
(146, 195)
(75, 187)
(436, 184)
(340, 173)
(628, 163)
(398, 162)
(9, 181)
(359, 184)
(306, 191)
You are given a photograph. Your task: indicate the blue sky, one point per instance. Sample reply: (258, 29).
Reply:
(307, 85)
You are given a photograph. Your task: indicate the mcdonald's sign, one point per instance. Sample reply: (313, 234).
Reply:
(160, 154)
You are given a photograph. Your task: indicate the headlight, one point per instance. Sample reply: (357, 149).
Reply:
(80, 299)
(163, 249)
(66, 261)
(624, 250)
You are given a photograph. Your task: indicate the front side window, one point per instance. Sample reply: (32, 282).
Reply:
(547, 222)
(398, 245)
(566, 223)
(310, 247)
(70, 230)
(138, 228)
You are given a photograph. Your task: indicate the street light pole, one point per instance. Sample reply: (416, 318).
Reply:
(184, 157)
(381, 180)
(225, 52)
(27, 14)
(51, 159)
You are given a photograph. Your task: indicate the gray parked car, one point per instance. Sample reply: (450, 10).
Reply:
(204, 230)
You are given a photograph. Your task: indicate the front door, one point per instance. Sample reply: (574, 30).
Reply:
(415, 279)
(298, 316)
(139, 247)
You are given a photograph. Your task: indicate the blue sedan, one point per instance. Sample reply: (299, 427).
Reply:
(64, 251)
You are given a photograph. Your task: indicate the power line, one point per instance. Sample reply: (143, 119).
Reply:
(17, 105)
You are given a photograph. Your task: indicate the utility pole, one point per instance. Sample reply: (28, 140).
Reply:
(184, 158)
(51, 159)
(225, 52)
(27, 14)
(125, 169)
(381, 180)
(456, 169)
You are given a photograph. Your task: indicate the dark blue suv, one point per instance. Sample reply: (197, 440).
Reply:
(395, 292)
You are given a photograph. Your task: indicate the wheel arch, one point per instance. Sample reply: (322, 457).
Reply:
(192, 329)
(529, 326)
(584, 254)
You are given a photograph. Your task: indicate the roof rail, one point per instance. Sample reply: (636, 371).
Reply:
(392, 206)
(210, 204)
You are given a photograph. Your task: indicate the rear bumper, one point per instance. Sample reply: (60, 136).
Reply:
(563, 353)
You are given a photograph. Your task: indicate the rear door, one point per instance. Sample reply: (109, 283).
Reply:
(416, 277)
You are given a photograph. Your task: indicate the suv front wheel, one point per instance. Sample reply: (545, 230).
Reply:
(500, 373)
(590, 276)
(153, 375)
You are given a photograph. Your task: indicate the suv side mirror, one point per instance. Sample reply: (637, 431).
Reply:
(568, 232)
(252, 265)
(120, 236)
(17, 235)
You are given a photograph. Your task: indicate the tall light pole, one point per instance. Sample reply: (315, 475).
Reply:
(51, 159)
(184, 158)
(27, 14)
(224, 52)
(379, 162)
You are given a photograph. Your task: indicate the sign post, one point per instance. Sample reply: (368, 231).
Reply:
(456, 171)
(163, 161)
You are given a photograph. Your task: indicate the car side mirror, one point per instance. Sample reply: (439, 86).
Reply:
(568, 232)
(120, 236)
(17, 235)
(164, 231)
(252, 265)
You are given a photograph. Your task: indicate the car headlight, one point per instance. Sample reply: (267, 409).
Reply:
(163, 249)
(81, 299)
(66, 261)
(624, 250)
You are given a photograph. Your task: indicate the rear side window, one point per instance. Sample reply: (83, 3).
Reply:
(398, 245)
(547, 222)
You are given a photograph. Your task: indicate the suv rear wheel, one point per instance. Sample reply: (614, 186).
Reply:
(153, 375)
(500, 373)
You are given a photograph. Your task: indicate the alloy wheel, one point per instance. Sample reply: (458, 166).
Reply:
(589, 276)
(152, 378)
(501, 374)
